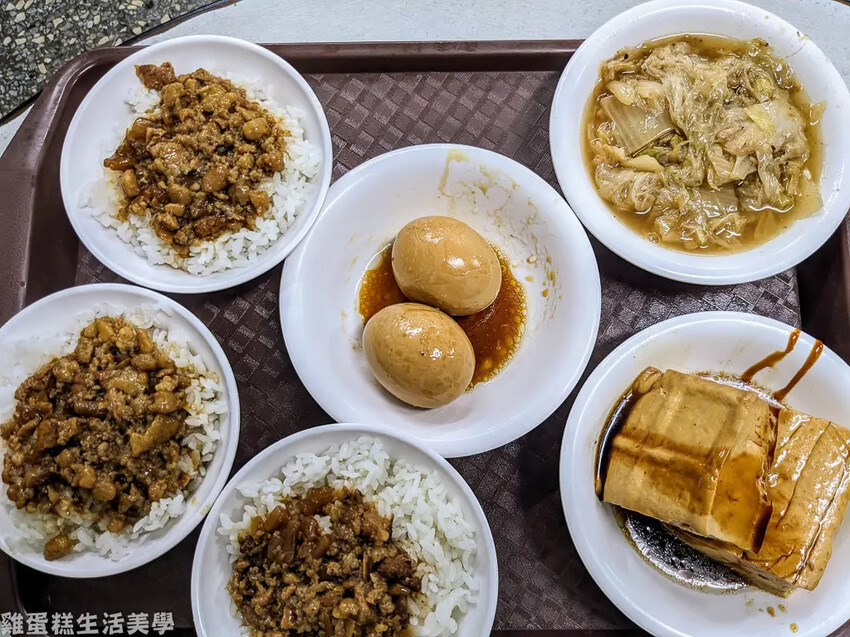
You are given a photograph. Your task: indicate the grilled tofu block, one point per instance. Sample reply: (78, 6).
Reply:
(809, 486)
(694, 454)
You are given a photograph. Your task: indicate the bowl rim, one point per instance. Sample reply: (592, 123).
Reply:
(571, 447)
(144, 273)
(340, 408)
(169, 539)
(208, 535)
(595, 215)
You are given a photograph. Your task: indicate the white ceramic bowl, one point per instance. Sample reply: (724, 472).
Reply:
(514, 209)
(709, 341)
(104, 109)
(211, 569)
(719, 17)
(58, 313)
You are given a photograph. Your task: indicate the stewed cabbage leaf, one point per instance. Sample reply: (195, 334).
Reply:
(702, 142)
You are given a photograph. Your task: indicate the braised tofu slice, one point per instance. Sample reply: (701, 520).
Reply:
(809, 485)
(695, 454)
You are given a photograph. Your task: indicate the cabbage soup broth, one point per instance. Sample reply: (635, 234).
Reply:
(703, 143)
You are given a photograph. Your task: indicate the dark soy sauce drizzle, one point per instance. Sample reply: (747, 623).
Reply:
(771, 359)
(613, 425)
(651, 539)
(811, 359)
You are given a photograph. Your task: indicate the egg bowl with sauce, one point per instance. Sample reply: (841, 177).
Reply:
(775, 237)
(538, 239)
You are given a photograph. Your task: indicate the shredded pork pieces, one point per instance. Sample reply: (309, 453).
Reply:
(194, 165)
(295, 578)
(96, 434)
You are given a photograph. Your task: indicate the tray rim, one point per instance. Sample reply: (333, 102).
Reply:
(20, 165)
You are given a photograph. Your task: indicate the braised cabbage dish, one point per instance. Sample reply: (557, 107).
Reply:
(704, 143)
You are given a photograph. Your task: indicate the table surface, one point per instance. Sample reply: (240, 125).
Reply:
(37, 38)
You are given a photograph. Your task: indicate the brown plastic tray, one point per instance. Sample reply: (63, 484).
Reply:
(380, 96)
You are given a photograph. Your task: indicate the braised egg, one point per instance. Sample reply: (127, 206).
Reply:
(445, 263)
(419, 354)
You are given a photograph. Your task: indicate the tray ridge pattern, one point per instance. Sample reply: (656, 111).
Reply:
(543, 584)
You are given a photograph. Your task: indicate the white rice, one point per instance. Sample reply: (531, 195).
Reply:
(205, 406)
(288, 191)
(427, 522)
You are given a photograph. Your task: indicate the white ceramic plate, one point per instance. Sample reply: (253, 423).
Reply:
(211, 569)
(709, 341)
(58, 313)
(512, 208)
(720, 17)
(104, 109)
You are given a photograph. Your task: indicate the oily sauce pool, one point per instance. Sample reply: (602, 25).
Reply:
(494, 332)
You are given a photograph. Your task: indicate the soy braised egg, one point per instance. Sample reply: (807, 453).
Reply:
(419, 354)
(444, 262)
